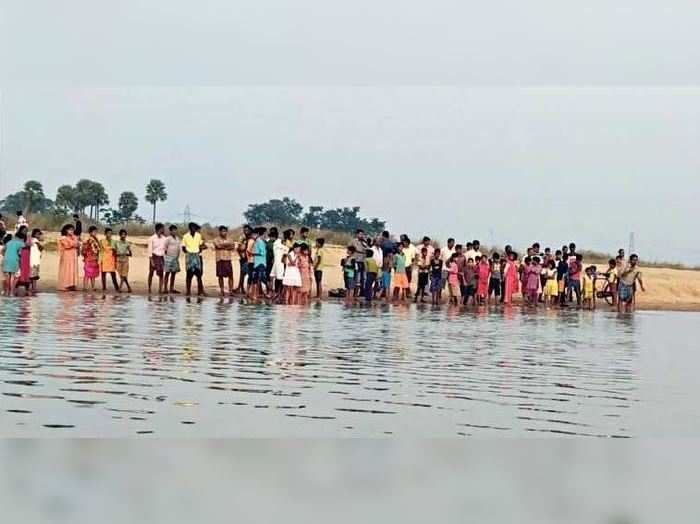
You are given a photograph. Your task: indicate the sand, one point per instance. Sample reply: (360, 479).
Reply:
(667, 289)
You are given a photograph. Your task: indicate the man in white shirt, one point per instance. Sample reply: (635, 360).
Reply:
(447, 252)
(427, 244)
(473, 250)
(410, 253)
(157, 245)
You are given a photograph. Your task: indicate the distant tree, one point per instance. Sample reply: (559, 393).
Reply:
(155, 192)
(111, 216)
(67, 199)
(313, 217)
(348, 220)
(30, 200)
(128, 203)
(92, 195)
(286, 211)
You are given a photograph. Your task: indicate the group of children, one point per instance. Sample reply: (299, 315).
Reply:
(284, 269)
(384, 268)
(20, 259)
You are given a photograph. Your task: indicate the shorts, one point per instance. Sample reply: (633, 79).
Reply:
(423, 280)
(386, 279)
(224, 269)
(172, 264)
(495, 287)
(123, 266)
(349, 281)
(469, 291)
(624, 292)
(157, 265)
(435, 284)
(244, 267)
(258, 274)
(318, 276)
(250, 269)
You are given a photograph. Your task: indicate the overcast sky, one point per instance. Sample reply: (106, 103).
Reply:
(484, 148)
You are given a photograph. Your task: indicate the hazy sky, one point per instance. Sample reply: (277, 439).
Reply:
(485, 147)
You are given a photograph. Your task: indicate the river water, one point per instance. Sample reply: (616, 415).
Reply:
(92, 366)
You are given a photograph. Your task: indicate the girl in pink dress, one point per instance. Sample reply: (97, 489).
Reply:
(484, 272)
(510, 275)
(305, 270)
(532, 278)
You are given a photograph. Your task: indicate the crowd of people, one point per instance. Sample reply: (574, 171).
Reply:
(289, 269)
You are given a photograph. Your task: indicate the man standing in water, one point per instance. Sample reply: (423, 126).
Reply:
(627, 284)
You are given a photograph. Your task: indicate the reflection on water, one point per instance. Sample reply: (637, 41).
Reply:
(84, 365)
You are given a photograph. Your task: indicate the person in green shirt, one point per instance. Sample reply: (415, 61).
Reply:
(400, 276)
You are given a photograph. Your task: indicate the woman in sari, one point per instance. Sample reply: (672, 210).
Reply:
(511, 278)
(67, 259)
(91, 259)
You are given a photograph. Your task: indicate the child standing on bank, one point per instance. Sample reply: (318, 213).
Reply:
(349, 266)
(108, 260)
(484, 273)
(551, 286)
(35, 256)
(372, 270)
(122, 250)
(532, 281)
(91, 259)
(587, 288)
(453, 280)
(436, 278)
(400, 276)
(495, 279)
(292, 277)
(423, 265)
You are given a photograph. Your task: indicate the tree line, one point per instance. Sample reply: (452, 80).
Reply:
(86, 197)
(288, 212)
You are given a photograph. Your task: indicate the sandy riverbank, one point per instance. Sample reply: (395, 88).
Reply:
(667, 289)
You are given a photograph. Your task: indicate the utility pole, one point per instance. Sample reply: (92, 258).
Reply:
(187, 215)
(631, 246)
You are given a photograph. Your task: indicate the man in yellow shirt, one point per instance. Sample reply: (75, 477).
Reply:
(193, 245)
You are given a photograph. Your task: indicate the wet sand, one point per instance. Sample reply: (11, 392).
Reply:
(667, 289)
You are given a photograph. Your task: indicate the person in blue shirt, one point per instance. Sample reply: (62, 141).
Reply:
(10, 264)
(259, 262)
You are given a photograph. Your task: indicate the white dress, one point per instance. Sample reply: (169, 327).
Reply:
(279, 249)
(292, 276)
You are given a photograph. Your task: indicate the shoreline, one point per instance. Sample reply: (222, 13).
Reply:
(213, 295)
(668, 289)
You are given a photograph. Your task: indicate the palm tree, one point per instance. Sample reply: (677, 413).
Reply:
(35, 197)
(128, 203)
(155, 192)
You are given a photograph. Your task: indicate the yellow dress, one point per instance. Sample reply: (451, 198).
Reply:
(587, 286)
(108, 261)
(551, 288)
